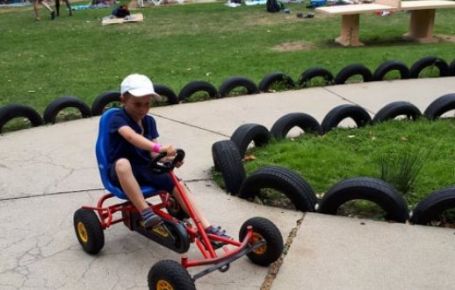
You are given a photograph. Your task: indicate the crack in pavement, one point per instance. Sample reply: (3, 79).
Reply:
(191, 125)
(78, 191)
(275, 267)
(347, 100)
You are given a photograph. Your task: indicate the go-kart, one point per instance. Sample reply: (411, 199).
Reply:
(259, 238)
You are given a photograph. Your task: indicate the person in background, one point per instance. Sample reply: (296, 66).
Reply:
(45, 4)
(68, 5)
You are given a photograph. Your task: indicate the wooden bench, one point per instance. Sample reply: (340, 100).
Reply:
(421, 22)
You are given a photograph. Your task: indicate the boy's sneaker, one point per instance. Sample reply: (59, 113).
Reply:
(149, 218)
(52, 15)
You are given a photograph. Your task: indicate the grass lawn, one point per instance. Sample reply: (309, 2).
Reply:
(343, 153)
(40, 61)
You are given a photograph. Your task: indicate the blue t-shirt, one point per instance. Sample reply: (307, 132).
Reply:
(120, 148)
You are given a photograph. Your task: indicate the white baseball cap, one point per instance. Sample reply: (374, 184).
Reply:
(138, 86)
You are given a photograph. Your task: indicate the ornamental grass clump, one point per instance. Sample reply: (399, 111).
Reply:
(402, 168)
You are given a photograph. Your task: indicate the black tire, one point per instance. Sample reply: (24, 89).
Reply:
(341, 112)
(168, 274)
(227, 160)
(234, 82)
(304, 121)
(52, 110)
(309, 74)
(283, 180)
(428, 61)
(365, 188)
(433, 206)
(168, 93)
(100, 103)
(89, 231)
(452, 68)
(197, 86)
(352, 70)
(263, 230)
(275, 77)
(389, 66)
(11, 111)
(247, 133)
(395, 109)
(440, 106)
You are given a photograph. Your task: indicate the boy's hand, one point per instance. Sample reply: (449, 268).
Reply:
(169, 149)
(178, 164)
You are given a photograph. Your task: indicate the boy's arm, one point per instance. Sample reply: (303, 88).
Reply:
(141, 142)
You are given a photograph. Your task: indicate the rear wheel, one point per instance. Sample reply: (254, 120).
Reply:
(169, 275)
(89, 231)
(263, 230)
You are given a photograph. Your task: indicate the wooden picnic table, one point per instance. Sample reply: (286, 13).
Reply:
(420, 26)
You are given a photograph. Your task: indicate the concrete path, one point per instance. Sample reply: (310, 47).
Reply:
(46, 173)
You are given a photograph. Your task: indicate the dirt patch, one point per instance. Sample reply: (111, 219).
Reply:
(293, 46)
(445, 38)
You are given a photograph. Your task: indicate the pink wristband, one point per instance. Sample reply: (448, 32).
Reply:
(156, 148)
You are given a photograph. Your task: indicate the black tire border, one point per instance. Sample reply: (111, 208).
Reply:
(341, 112)
(427, 61)
(197, 86)
(11, 111)
(395, 109)
(289, 182)
(234, 82)
(250, 132)
(366, 188)
(102, 100)
(439, 106)
(434, 204)
(227, 159)
(452, 68)
(351, 70)
(285, 123)
(314, 72)
(168, 93)
(270, 79)
(51, 111)
(389, 66)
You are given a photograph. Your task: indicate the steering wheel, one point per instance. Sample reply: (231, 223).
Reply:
(167, 166)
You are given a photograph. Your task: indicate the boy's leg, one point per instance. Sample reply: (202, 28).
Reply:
(132, 189)
(197, 212)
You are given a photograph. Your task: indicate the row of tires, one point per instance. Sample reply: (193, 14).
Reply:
(227, 158)
(228, 154)
(228, 86)
(258, 134)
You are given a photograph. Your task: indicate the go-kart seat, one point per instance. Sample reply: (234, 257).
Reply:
(103, 162)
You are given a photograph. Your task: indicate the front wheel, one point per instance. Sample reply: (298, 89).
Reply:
(89, 231)
(263, 230)
(169, 275)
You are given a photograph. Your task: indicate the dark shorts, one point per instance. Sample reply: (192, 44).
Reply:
(146, 177)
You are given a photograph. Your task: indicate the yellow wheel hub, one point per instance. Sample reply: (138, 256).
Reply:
(164, 285)
(82, 232)
(257, 238)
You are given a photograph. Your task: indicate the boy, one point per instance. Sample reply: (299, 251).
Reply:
(133, 142)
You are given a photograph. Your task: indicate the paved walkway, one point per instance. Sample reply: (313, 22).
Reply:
(47, 172)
